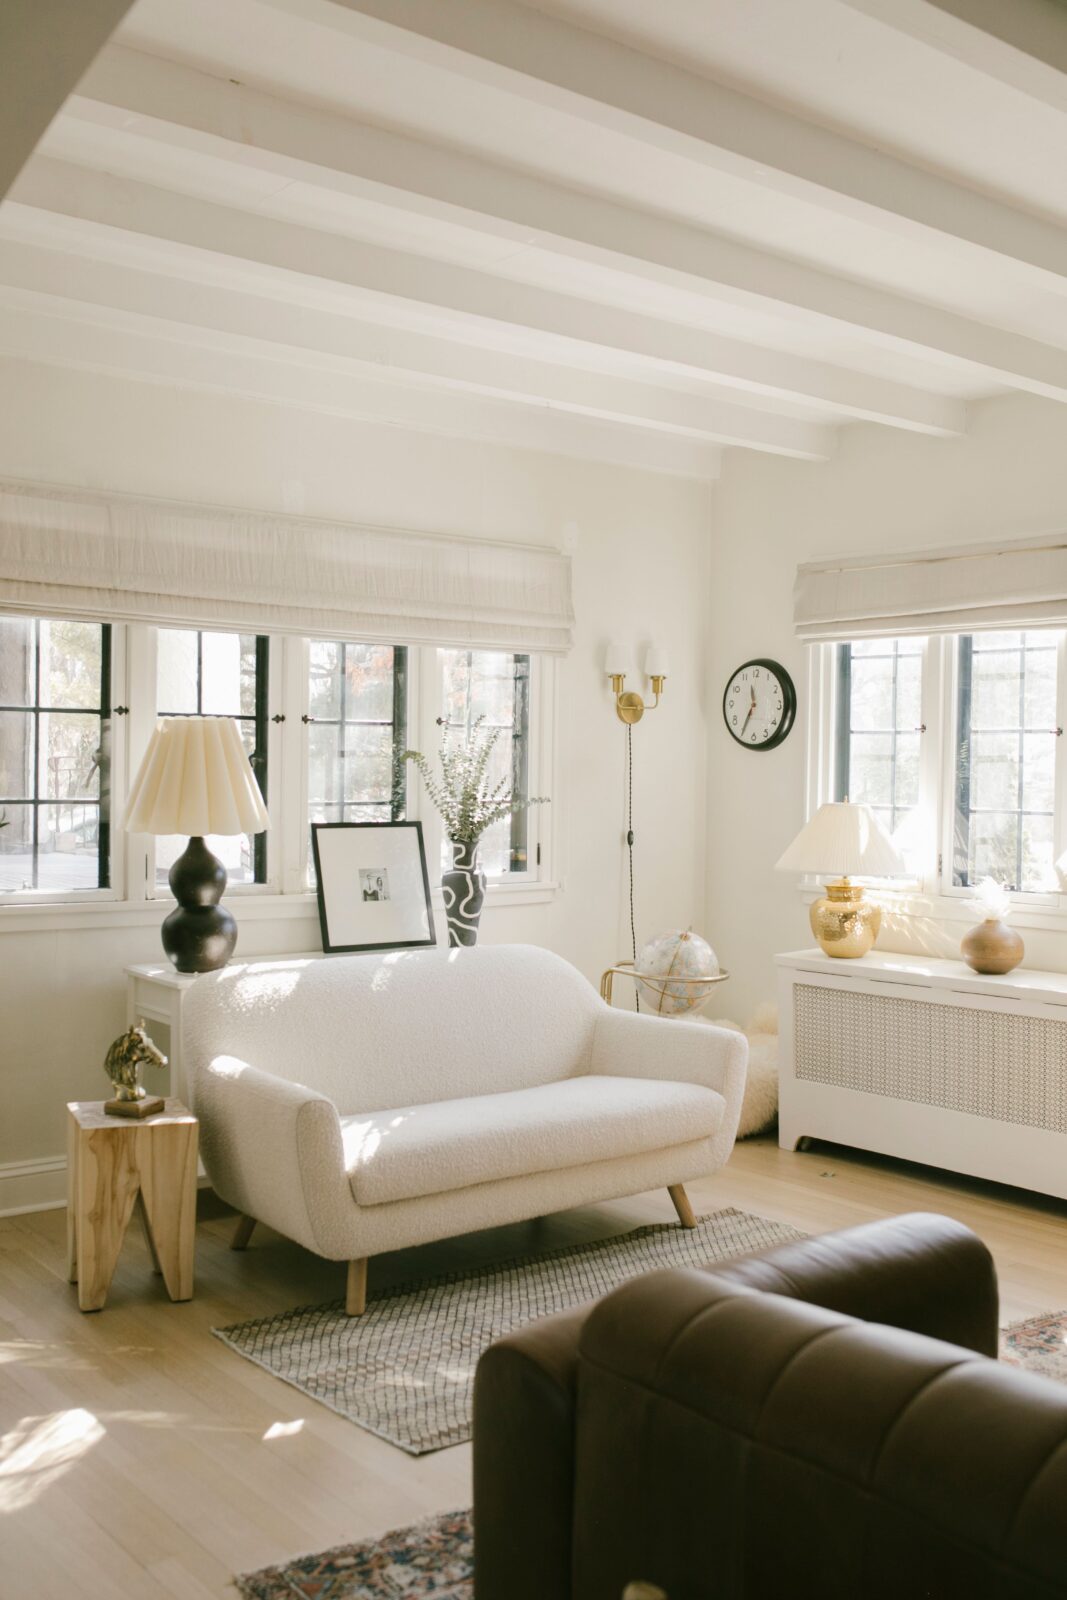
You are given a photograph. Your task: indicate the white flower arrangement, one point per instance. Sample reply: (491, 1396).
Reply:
(992, 901)
(463, 795)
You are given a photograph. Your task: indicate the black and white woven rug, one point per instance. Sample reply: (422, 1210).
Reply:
(404, 1370)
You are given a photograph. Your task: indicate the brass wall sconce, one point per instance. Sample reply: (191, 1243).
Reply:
(629, 705)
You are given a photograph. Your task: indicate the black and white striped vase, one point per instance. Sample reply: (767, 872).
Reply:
(464, 891)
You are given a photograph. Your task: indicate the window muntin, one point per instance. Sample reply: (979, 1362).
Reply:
(55, 711)
(493, 685)
(879, 727)
(357, 732)
(205, 674)
(1005, 759)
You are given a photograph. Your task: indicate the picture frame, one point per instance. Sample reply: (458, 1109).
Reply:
(373, 887)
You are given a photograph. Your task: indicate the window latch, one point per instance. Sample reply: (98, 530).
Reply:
(120, 711)
(279, 718)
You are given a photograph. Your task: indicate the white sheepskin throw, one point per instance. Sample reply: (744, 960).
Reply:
(760, 1107)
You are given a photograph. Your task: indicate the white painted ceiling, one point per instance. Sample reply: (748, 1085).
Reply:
(629, 231)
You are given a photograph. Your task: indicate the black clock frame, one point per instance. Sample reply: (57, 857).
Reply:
(789, 703)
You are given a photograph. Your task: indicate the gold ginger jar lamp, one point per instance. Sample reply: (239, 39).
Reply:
(843, 841)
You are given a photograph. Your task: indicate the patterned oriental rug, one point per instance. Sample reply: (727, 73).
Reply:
(404, 1370)
(435, 1559)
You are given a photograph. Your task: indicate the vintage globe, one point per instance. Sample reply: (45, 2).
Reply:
(664, 963)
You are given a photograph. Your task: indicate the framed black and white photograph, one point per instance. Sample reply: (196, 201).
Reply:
(374, 890)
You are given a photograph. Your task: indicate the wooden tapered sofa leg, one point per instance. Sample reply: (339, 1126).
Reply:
(682, 1206)
(242, 1233)
(356, 1294)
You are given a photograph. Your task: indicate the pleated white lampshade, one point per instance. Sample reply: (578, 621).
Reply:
(843, 841)
(195, 779)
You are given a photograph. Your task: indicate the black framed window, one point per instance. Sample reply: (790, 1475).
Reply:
(206, 674)
(493, 685)
(357, 729)
(1005, 778)
(879, 726)
(55, 769)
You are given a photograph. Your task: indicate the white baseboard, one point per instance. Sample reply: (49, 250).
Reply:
(39, 1185)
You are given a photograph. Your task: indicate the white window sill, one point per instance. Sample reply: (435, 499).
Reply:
(247, 906)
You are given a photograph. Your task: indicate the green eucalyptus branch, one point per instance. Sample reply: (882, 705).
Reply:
(468, 803)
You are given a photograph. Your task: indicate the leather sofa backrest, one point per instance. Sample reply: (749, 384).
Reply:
(400, 1028)
(737, 1444)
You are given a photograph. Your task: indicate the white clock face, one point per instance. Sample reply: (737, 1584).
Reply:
(755, 705)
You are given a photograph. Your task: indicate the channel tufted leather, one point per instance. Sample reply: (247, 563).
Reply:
(715, 1433)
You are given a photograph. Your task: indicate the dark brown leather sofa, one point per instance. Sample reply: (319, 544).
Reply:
(819, 1420)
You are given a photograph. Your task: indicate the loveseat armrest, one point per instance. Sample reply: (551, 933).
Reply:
(273, 1149)
(627, 1044)
(922, 1272)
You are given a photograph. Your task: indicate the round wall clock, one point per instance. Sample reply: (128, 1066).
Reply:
(759, 704)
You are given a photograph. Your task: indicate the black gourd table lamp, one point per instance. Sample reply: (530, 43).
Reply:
(196, 779)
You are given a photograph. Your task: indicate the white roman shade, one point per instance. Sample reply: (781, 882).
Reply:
(72, 553)
(960, 589)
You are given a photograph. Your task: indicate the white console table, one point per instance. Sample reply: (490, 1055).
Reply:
(929, 1061)
(156, 992)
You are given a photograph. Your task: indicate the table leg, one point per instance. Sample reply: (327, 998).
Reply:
(72, 1199)
(168, 1189)
(107, 1183)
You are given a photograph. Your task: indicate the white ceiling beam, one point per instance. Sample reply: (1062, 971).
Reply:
(148, 302)
(1022, 43)
(71, 342)
(586, 75)
(532, 211)
(45, 46)
(72, 208)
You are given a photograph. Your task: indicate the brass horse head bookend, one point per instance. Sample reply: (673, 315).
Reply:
(123, 1066)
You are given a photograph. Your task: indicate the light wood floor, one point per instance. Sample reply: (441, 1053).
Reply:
(141, 1458)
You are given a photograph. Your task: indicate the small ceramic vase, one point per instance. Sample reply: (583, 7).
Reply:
(992, 947)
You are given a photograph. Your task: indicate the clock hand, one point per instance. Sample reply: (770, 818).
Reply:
(747, 720)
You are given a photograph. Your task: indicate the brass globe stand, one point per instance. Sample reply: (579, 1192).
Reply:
(661, 985)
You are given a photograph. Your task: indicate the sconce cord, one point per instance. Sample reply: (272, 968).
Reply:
(630, 843)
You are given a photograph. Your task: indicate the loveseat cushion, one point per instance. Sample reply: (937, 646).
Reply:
(452, 1144)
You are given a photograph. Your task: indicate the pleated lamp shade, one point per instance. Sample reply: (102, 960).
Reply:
(195, 779)
(844, 841)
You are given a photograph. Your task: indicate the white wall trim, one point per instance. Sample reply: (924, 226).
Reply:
(39, 1185)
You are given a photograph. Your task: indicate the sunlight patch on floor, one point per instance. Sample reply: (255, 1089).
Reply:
(41, 1449)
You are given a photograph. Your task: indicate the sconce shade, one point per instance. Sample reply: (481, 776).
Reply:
(656, 663)
(615, 661)
(195, 779)
(843, 841)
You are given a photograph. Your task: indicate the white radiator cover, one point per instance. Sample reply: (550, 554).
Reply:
(929, 1061)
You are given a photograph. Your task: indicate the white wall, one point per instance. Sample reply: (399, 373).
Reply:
(881, 491)
(640, 548)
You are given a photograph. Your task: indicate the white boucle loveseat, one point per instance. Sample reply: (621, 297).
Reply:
(358, 1104)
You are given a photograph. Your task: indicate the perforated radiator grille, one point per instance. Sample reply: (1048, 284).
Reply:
(991, 1063)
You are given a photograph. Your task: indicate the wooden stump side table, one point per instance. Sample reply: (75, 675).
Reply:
(115, 1164)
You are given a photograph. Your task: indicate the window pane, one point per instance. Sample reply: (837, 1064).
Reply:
(16, 754)
(68, 845)
(176, 673)
(879, 716)
(70, 755)
(1006, 717)
(70, 664)
(495, 686)
(201, 673)
(16, 661)
(357, 730)
(54, 779)
(16, 846)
